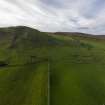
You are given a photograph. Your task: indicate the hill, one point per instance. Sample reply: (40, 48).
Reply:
(23, 66)
(78, 70)
(72, 65)
(77, 34)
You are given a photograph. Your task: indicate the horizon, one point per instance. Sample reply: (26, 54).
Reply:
(55, 16)
(75, 32)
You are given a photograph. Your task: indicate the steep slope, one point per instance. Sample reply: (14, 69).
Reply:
(23, 66)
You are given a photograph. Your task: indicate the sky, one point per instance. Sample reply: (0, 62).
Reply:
(55, 15)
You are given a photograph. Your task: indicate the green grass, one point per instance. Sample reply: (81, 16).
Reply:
(23, 82)
(76, 64)
(25, 85)
(78, 73)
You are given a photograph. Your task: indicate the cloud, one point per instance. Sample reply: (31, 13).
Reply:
(55, 15)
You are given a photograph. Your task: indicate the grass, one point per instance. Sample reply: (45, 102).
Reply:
(24, 85)
(78, 73)
(23, 81)
(77, 68)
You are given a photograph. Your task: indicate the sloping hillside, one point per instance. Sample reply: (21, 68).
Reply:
(78, 71)
(74, 64)
(23, 66)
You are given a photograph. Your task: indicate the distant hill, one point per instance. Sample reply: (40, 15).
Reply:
(77, 34)
(25, 35)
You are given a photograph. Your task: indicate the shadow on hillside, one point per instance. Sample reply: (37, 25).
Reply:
(3, 64)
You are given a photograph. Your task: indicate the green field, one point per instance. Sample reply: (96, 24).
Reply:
(78, 72)
(75, 64)
(24, 80)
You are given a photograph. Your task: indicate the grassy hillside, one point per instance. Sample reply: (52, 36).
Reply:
(23, 66)
(76, 63)
(78, 71)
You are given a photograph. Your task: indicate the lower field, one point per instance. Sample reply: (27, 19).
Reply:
(24, 85)
(78, 74)
(78, 84)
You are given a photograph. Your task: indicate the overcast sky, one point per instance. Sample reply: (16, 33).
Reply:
(55, 15)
